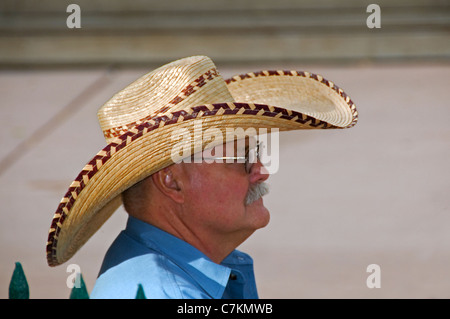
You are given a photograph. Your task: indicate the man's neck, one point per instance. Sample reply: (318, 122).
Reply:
(215, 246)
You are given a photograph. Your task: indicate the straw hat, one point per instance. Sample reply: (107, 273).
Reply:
(140, 121)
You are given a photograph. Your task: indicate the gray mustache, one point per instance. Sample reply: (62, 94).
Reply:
(255, 192)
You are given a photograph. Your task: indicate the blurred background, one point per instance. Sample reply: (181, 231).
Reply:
(342, 200)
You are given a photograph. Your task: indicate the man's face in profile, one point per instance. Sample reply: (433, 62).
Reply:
(224, 194)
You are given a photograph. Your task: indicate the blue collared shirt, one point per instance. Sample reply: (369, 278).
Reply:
(168, 267)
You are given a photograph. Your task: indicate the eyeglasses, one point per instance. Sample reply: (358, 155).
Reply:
(251, 156)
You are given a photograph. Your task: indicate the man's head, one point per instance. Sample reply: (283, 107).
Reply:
(209, 204)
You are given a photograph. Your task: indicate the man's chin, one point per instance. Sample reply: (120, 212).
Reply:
(262, 214)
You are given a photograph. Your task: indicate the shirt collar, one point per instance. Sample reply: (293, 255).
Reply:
(210, 276)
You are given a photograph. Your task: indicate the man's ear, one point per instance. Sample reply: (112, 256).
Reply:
(169, 184)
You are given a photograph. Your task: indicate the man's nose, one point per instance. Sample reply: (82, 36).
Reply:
(258, 173)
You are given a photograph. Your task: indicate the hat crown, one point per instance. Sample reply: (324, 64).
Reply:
(175, 86)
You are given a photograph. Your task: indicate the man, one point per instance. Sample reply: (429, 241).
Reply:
(166, 213)
(186, 218)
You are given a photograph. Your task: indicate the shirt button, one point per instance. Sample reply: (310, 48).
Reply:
(233, 277)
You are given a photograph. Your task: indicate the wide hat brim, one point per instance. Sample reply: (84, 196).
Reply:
(285, 100)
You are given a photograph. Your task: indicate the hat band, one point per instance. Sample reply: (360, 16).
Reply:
(186, 92)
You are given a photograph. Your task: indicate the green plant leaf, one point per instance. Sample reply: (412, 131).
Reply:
(79, 292)
(18, 287)
(140, 293)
